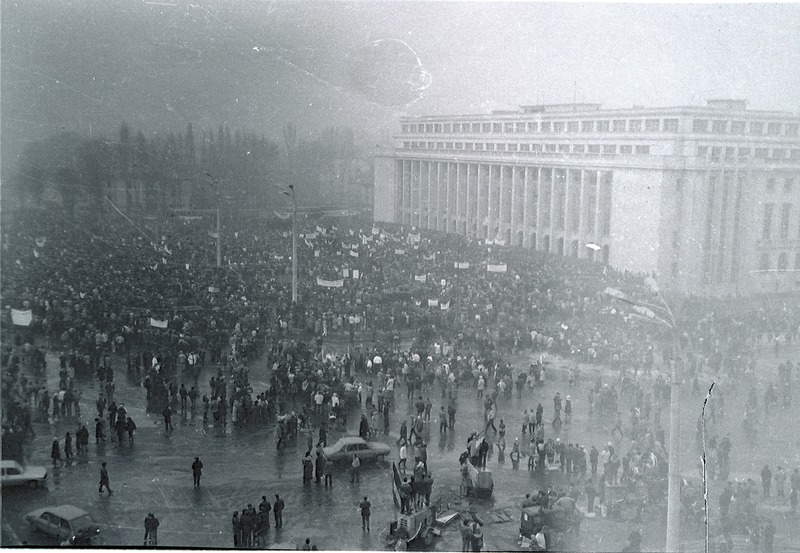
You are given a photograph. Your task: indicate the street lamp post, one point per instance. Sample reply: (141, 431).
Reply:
(663, 316)
(294, 244)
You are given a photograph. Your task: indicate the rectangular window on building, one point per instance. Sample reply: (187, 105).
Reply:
(448, 128)
(737, 127)
(405, 128)
(745, 152)
(524, 147)
(670, 125)
(762, 152)
(459, 145)
(536, 147)
(579, 148)
(778, 153)
(792, 129)
(508, 127)
(774, 129)
(430, 145)
(486, 127)
(643, 150)
(609, 148)
(715, 151)
(730, 152)
(476, 127)
(519, 127)
(547, 126)
(500, 147)
(795, 154)
(550, 147)
(788, 184)
(488, 147)
(700, 125)
(756, 128)
(702, 151)
(719, 126)
(468, 146)
(511, 147)
(766, 229)
(448, 145)
(406, 144)
(594, 148)
(437, 127)
(497, 127)
(602, 126)
(635, 125)
(587, 126)
(652, 125)
(429, 127)
(563, 148)
(625, 149)
(771, 184)
(558, 126)
(533, 126)
(572, 126)
(619, 125)
(440, 145)
(786, 211)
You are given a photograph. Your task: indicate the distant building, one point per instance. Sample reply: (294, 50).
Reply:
(708, 198)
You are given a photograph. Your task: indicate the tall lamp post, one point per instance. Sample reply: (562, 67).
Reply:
(294, 242)
(662, 315)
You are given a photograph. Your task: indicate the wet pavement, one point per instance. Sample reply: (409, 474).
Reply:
(241, 465)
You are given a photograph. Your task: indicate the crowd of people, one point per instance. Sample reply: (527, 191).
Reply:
(147, 295)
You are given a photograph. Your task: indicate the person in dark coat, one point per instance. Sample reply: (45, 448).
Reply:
(130, 426)
(197, 471)
(55, 453)
(151, 525)
(68, 447)
(277, 510)
(363, 427)
(308, 468)
(104, 480)
(319, 466)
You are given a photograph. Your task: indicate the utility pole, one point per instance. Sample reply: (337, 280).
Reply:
(663, 316)
(294, 244)
(219, 242)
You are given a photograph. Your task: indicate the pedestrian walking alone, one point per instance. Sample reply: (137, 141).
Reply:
(355, 469)
(197, 471)
(104, 481)
(365, 512)
(55, 453)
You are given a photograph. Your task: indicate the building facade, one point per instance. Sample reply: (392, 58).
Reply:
(707, 198)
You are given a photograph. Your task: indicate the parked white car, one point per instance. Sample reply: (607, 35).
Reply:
(70, 524)
(14, 474)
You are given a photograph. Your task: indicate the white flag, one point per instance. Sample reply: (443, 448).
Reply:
(433, 303)
(158, 324)
(421, 278)
(445, 306)
(21, 318)
(353, 254)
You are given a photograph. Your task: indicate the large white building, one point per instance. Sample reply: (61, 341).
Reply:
(707, 198)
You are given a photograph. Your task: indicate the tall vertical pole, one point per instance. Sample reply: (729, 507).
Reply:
(294, 246)
(674, 482)
(219, 243)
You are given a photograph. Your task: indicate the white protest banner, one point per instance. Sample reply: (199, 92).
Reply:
(501, 268)
(316, 253)
(21, 318)
(330, 283)
(399, 252)
(353, 254)
(282, 216)
(158, 324)
(433, 303)
(431, 257)
(461, 265)
(421, 278)
(356, 274)
(445, 306)
(346, 273)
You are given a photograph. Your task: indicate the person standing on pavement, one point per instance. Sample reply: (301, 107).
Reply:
(277, 510)
(197, 471)
(403, 458)
(68, 447)
(167, 412)
(319, 466)
(442, 421)
(151, 525)
(329, 473)
(365, 512)
(236, 523)
(104, 480)
(355, 469)
(766, 479)
(130, 426)
(55, 453)
(466, 536)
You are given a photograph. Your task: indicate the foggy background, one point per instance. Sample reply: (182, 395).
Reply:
(86, 66)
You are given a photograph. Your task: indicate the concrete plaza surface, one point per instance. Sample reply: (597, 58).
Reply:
(242, 464)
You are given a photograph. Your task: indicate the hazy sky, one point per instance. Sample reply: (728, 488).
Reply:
(257, 64)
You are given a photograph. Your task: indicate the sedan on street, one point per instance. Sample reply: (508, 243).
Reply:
(14, 474)
(345, 448)
(70, 524)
